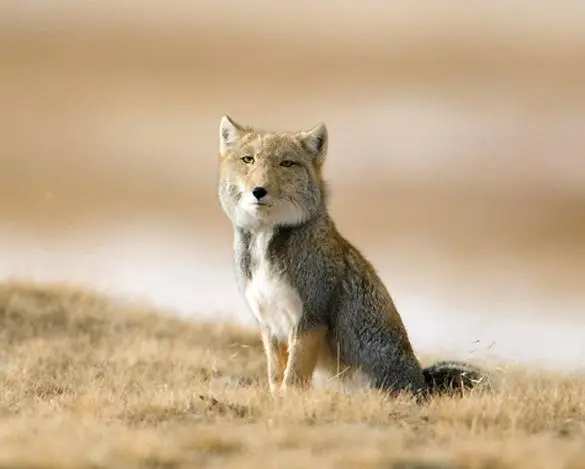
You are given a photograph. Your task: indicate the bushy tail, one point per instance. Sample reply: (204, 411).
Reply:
(453, 378)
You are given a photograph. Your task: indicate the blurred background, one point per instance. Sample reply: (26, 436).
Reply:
(456, 157)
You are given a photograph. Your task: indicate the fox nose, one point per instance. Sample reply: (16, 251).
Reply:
(259, 192)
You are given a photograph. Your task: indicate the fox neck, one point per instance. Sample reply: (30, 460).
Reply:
(258, 239)
(264, 227)
(254, 246)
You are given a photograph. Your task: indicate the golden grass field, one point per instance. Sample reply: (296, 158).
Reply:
(92, 382)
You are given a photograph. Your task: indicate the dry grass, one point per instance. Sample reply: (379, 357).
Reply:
(87, 382)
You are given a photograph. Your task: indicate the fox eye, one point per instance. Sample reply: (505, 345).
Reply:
(247, 159)
(287, 163)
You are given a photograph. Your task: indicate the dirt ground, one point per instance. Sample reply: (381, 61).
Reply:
(89, 382)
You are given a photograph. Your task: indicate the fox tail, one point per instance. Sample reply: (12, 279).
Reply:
(453, 378)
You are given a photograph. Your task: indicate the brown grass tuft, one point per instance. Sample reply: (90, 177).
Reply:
(90, 382)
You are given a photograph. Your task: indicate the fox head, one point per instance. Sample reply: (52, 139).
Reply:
(269, 179)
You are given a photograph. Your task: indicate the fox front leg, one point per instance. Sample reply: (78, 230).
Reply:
(303, 351)
(276, 359)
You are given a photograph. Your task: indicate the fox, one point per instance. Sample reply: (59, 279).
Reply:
(322, 310)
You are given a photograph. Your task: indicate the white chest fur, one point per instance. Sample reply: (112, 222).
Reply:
(272, 299)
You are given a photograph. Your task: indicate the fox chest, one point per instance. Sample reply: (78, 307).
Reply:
(271, 297)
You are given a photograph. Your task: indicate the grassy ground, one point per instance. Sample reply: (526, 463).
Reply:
(86, 382)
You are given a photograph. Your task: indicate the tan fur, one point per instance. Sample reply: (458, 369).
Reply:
(282, 354)
(303, 351)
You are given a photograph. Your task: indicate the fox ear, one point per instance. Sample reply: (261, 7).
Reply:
(229, 132)
(314, 141)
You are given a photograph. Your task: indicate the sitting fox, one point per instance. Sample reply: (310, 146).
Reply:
(320, 305)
